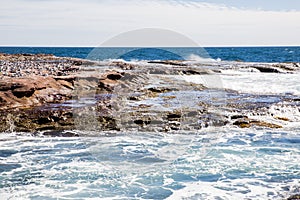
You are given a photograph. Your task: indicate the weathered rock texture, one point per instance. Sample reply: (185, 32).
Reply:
(44, 92)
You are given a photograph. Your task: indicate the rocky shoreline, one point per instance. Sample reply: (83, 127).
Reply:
(52, 94)
(29, 81)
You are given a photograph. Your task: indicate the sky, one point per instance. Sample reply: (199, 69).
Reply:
(205, 22)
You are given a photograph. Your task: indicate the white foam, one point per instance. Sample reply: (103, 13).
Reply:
(201, 190)
(255, 83)
(256, 190)
(286, 111)
(263, 83)
(209, 81)
(199, 59)
(102, 170)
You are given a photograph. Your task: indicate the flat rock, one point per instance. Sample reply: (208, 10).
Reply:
(247, 123)
(33, 91)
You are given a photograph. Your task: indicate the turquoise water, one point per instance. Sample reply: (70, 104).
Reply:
(212, 164)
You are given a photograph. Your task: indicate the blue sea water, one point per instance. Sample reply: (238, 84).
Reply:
(246, 54)
(214, 163)
(237, 164)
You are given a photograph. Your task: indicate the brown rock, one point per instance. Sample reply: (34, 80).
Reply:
(69, 78)
(25, 91)
(4, 86)
(282, 118)
(294, 197)
(169, 62)
(33, 91)
(238, 117)
(123, 65)
(107, 85)
(114, 76)
(242, 124)
(109, 81)
(66, 84)
(265, 124)
(247, 123)
(161, 89)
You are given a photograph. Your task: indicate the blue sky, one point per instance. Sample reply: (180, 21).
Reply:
(92, 22)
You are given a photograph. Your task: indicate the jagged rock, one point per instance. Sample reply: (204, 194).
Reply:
(107, 85)
(174, 116)
(123, 65)
(238, 117)
(169, 62)
(282, 118)
(36, 119)
(142, 122)
(173, 126)
(294, 197)
(60, 134)
(22, 65)
(132, 98)
(151, 96)
(114, 76)
(247, 123)
(161, 89)
(108, 123)
(33, 91)
(109, 81)
(25, 91)
(242, 124)
(6, 85)
(77, 62)
(285, 67)
(69, 85)
(296, 65)
(69, 78)
(267, 69)
(195, 72)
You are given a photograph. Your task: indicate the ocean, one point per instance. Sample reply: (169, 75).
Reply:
(245, 54)
(218, 163)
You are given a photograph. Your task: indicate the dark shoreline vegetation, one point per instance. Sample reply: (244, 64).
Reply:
(40, 92)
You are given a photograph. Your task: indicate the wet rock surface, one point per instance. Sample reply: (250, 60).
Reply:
(66, 94)
(294, 197)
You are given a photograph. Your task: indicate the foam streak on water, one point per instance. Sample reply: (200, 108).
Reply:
(256, 83)
(247, 164)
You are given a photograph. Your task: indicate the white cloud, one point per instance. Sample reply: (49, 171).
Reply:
(80, 22)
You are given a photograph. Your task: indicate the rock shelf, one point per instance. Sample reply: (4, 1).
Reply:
(48, 93)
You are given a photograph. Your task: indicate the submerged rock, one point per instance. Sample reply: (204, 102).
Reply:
(169, 62)
(266, 69)
(36, 119)
(247, 123)
(60, 134)
(123, 65)
(238, 117)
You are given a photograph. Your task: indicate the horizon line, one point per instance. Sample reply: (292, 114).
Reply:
(204, 46)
